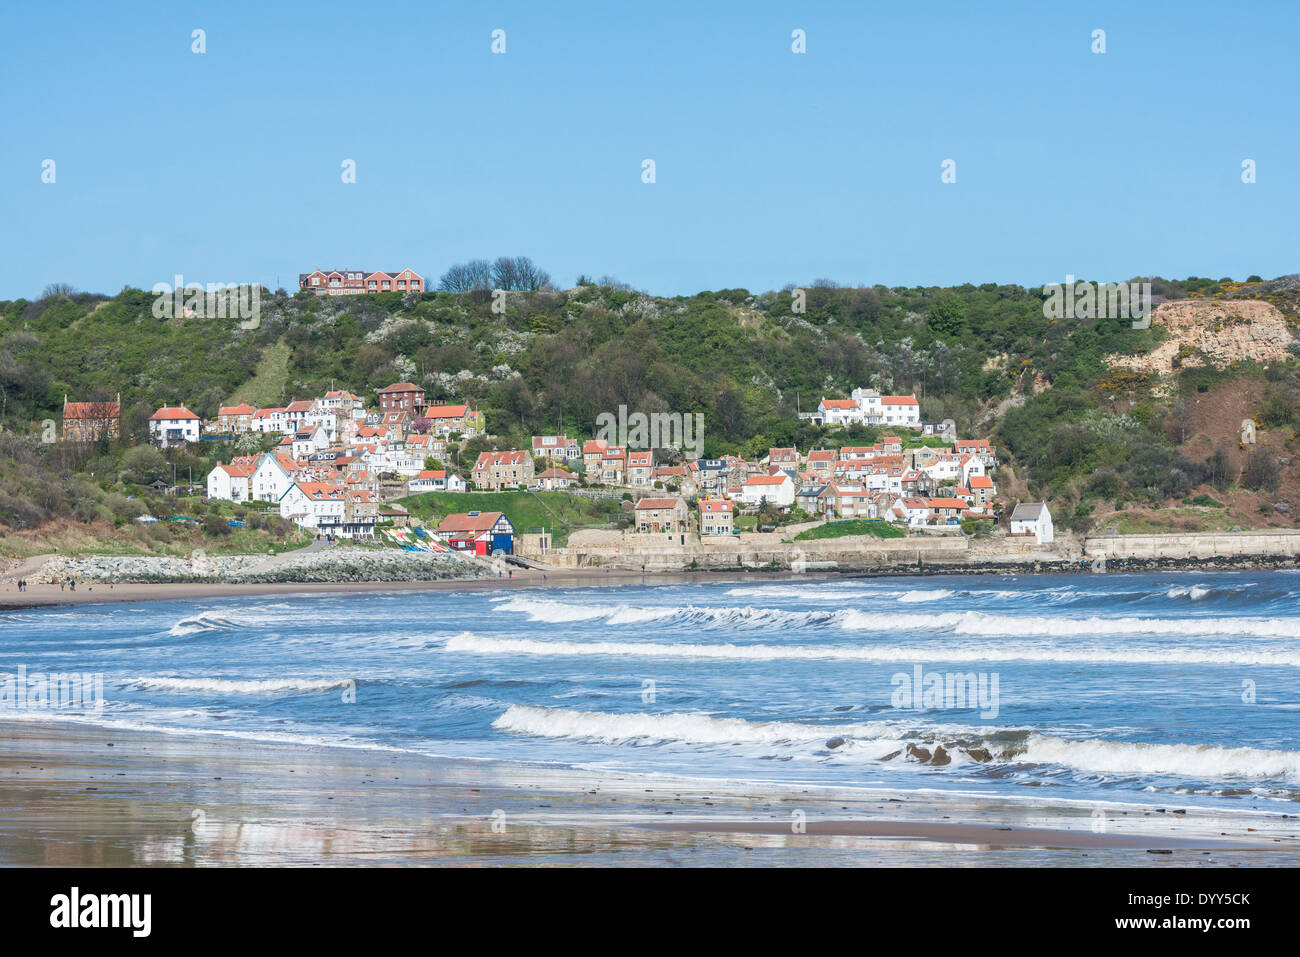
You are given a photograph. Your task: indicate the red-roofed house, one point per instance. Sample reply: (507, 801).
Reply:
(482, 533)
(901, 410)
(775, 489)
(498, 470)
(236, 418)
(174, 425)
(559, 448)
(821, 462)
(982, 490)
(640, 468)
(445, 419)
(715, 517)
(662, 516)
(401, 396)
(87, 421)
(233, 483)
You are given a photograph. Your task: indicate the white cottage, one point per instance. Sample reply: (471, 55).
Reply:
(1033, 518)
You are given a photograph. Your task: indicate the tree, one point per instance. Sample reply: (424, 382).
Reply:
(1261, 472)
(475, 275)
(143, 464)
(947, 315)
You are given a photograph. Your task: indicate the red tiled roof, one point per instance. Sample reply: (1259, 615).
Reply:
(464, 522)
(173, 412)
(657, 503)
(90, 410)
(445, 411)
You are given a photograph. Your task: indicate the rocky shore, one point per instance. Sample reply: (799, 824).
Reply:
(340, 564)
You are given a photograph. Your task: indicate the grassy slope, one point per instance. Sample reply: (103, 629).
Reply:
(850, 528)
(266, 387)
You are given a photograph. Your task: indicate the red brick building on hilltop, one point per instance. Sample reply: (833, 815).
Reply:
(354, 282)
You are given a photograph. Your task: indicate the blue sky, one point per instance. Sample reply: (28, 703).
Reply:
(771, 167)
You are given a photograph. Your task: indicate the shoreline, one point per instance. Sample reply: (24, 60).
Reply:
(42, 595)
(86, 795)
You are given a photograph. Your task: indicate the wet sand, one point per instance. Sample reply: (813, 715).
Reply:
(74, 794)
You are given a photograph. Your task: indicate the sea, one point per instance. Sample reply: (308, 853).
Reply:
(1088, 687)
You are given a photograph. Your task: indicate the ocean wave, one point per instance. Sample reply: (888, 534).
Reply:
(983, 624)
(957, 622)
(684, 727)
(890, 741)
(906, 654)
(549, 611)
(204, 621)
(1198, 761)
(921, 595)
(240, 685)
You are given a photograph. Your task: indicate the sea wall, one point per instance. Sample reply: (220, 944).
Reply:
(1196, 545)
(859, 552)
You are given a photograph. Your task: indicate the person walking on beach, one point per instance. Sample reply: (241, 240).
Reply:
(61, 584)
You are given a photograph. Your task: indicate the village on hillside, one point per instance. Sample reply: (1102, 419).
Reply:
(341, 466)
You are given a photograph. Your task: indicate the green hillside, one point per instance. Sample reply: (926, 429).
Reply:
(1070, 427)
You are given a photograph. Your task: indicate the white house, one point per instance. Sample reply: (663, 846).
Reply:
(308, 440)
(436, 480)
(1033, 518)
(313, 504)
(901, 410)
(273, 476)
(776, 489)
(869, 407)
(230, 482)
(174, 425)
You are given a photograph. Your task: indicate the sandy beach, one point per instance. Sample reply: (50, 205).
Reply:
(78, 795)
(45, 595)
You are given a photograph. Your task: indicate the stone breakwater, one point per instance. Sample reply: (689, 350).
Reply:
(333, 565)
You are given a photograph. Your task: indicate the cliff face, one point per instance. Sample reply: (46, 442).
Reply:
(1203, 332)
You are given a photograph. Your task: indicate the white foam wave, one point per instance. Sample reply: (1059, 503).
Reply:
(1097, 756)
(1194, 592)
(202, 622)
(921, 595)
(980, 623)
(1198, 761)
(692, 728)
(482, 644)
(956, 622)
(559, 612)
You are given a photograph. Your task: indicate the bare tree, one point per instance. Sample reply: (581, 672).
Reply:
(505, 273)
(467, 277)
